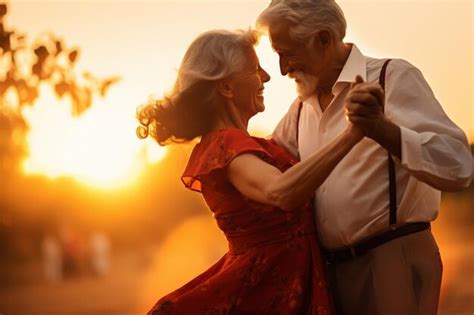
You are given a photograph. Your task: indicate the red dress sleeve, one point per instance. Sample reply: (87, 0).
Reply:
(216, 151)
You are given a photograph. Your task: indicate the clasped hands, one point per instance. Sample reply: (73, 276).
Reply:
(364, 107)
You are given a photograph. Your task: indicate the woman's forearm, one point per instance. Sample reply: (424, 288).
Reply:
(298, 183)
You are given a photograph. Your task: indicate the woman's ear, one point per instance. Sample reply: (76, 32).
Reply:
(225, 89)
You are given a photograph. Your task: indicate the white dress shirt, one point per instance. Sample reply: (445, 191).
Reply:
(353, 203)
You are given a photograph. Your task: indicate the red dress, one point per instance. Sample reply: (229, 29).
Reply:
(273, 265)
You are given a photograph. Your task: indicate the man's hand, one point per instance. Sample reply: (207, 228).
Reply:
(364, 109)
(364, 106)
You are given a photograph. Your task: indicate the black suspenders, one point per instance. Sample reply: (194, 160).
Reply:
(391, 163)
(300, 106)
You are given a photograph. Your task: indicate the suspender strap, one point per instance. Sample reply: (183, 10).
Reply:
(391, 163)
(382, 73)
(300, 106)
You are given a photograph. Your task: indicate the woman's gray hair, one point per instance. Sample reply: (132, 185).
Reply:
(189, 110)
(306, 18)
(214, 55)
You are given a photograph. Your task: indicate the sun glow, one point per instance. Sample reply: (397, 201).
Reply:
(98, 148)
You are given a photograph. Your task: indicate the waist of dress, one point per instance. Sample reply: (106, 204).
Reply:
(238, 244)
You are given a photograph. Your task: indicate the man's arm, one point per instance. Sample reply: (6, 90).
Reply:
(417, 131)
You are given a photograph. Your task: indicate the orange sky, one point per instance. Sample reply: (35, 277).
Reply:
(144, 41)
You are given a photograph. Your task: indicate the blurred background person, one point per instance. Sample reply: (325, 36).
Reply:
(52, 258)
(99, 253)
(73, 251)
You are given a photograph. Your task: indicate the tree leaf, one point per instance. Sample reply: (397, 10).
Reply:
(73, 55)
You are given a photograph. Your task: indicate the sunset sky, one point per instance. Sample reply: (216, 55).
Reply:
(144, 41)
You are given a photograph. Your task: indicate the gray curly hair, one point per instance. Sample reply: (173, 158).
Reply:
(188, 110)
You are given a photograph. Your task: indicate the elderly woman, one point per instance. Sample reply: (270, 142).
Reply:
(257, 191)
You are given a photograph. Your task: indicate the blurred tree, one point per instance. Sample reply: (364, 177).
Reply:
(23, 68)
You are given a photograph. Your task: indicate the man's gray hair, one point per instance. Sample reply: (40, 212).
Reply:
(306, 18)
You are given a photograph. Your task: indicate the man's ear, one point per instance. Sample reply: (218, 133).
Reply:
(322, 39)
(225, 89)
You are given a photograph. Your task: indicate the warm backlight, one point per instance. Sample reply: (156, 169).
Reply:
(99, 148)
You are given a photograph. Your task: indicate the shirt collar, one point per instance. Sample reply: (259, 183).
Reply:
(355, 65)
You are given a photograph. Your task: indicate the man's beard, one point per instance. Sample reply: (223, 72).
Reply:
(306, 84)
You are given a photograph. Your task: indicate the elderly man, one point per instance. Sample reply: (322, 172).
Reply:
(373, 219)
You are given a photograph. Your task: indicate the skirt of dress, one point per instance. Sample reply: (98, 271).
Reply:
(281, 278)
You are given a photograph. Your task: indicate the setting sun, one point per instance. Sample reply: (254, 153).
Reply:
(93, 148)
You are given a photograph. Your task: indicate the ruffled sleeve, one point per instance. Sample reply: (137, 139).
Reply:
(216, 151)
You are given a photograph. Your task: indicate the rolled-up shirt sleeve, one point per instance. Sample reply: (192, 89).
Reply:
(434, 149)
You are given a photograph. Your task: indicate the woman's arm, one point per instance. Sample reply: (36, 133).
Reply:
(263, 182)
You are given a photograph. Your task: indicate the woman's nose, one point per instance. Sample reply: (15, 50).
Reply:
(265, 76)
